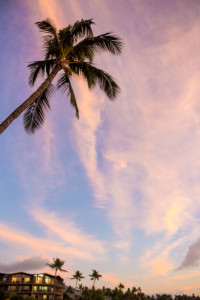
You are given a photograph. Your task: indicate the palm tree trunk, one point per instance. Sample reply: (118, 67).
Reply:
(30, 100)
(54, 290)
(75, 289)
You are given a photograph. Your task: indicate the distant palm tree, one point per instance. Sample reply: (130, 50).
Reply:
(108, 292)
(57, 265)
(134, 290)
(72, 50)
(78, 276)
(121, 286)
(95, 276)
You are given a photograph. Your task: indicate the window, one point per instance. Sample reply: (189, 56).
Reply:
(4, 279)
(27, 279)
(16, 279)
(38, 278)
(13, 288)
(35, 288)
(44, 297)
(47, 280)
(43, 288)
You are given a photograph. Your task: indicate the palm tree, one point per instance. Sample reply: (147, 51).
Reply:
(121, 286)
(72, 50)
(95, 275)
(134, 290)
(57, 265)
(78, 276)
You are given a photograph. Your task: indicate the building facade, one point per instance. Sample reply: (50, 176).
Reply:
(39, 286)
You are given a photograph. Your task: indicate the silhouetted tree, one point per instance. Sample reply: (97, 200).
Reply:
(57, 266)
(70, 50)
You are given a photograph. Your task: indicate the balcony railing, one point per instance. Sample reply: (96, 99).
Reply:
(31, 282)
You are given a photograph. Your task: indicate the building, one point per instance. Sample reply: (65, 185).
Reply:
(40, 286)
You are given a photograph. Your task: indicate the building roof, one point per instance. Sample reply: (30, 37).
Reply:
(29, 274)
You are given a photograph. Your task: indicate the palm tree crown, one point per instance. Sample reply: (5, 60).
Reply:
(121, 286)
(78, 276)
(57, 265)
(70, 50)
(95, 276)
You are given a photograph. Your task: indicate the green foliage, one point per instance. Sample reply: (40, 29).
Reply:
(106, 293)
(16, 297)
(30, 298)
(3, 295)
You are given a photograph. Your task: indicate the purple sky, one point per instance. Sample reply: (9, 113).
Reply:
(118, 190)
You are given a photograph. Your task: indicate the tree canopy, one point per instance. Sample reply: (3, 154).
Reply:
(69, 51)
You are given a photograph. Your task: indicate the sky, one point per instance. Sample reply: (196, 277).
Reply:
(117, 190)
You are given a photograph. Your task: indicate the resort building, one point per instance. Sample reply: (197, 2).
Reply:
(39, 286)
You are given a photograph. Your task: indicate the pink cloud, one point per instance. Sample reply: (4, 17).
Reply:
(47, 247)
(111, 278)
(67, 231)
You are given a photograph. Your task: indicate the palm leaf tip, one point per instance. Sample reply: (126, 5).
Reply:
(66, 86)
(39, 68)
(46, 26)
(94, 75)
(106, 42)
(82, 28)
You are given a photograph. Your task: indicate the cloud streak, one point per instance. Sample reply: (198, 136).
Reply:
(49, 245)
(67, 231)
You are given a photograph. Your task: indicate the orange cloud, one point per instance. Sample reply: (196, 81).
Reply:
(111, 278)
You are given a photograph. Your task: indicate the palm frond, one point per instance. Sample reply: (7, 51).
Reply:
(65, 84)
(104, 42)
(66, 37)
(51, 41)
(52, 47)
(82, 28)
(35, 114)
(83, 50)
(94, 75)
(39, 68)
(50, 265)
(108, 42)
(47, 26)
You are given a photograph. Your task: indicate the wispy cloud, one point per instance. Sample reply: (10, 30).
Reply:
(49, 246)
(86, 138)
(67, 231)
